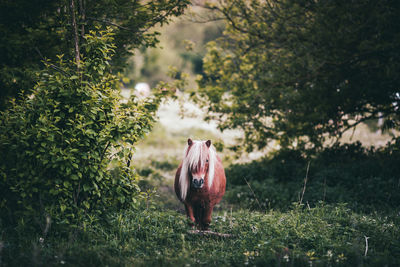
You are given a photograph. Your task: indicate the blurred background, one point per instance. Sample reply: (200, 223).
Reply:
(182, 48)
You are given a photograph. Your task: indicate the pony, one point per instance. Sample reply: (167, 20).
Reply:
(200, 182)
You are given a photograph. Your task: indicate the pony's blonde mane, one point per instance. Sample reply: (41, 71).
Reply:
(194, 158)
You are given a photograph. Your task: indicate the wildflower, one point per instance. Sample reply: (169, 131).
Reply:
(286, 258)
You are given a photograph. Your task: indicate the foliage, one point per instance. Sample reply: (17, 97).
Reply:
(320, 236)
(366, 179)
(31, 30)
(57, 145)
(182, 45)
(302, 71)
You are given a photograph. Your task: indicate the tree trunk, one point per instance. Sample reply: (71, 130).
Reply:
(75, 32)
(82, 16)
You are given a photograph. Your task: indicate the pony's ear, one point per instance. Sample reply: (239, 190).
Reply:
(190, 142)
(208, 143)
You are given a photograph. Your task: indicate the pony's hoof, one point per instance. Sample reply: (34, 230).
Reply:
(205, 227)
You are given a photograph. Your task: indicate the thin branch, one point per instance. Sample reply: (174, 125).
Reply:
(83, 15)
(152, 24)
(75, 30)
(251, 189)
(104, 152)
(372, 116)
(202, 20)
(352, 134)
(159, 19)
(366, 245)
(77, 193)
(50, 65)
(108, 22)
(305, 183)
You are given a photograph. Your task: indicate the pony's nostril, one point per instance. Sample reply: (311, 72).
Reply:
(198, 182)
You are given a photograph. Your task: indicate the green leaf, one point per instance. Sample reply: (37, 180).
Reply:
(74, 177)
(86, 188)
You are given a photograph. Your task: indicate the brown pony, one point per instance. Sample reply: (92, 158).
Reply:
(200, 181)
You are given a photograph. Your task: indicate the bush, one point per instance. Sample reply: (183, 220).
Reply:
(58, 145)
(366, 179)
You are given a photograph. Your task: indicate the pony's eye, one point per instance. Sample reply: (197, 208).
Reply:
(206, 160)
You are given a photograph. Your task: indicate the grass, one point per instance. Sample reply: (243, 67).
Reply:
(325, 235)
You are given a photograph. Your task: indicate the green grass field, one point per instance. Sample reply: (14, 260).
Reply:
(279, 233)
(325, 235)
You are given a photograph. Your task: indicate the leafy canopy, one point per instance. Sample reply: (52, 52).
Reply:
(31, 30)
(302, 71)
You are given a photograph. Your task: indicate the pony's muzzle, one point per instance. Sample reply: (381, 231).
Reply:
(198, 183)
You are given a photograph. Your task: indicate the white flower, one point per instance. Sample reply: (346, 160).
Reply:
(286, 258)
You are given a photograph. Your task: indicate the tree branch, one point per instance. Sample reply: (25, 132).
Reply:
(112, 24)
(152, 24)
(50, 65)
(75, 31)
(83, 15)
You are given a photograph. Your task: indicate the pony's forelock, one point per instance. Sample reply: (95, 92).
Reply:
(193, 156)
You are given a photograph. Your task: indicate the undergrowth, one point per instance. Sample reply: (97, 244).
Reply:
(266, 223)
(367, 179)
(324, 235)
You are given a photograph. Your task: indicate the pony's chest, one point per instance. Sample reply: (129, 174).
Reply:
(200, 196)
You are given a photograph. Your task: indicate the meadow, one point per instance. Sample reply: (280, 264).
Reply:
(336, 223)
(325, 235)
(86, 177)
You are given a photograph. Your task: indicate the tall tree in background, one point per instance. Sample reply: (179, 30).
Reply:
(302, 71)
(36, 29)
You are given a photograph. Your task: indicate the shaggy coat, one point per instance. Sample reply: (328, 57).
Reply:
(200, 162)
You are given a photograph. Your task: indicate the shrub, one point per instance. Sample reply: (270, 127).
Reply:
(58, 145)
(366, 179)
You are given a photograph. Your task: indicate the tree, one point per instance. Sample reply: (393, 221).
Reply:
(33, 30)
(65, 150)
(301, 72)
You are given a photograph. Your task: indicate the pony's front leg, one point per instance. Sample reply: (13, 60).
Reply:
(189, 213)
(206, 220)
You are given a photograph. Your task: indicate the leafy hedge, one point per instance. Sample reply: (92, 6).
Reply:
(65, 150)
(366, 179)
